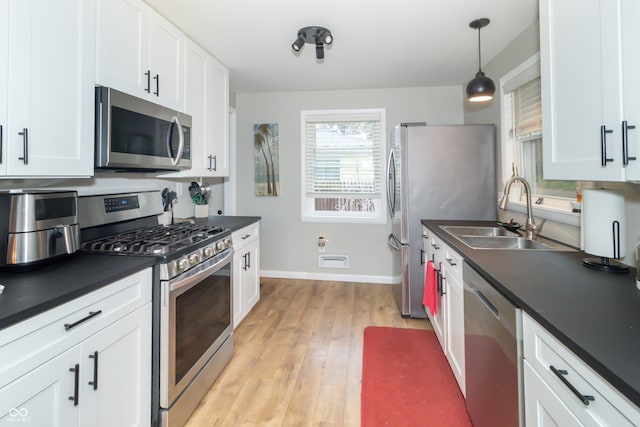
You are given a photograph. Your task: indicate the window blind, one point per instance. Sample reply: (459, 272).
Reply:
(343, 155)
(528, 109)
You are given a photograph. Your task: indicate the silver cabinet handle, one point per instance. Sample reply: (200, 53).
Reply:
(213, 163)
(157, 79)
(25, 145)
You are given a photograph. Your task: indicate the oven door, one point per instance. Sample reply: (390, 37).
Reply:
(195, 320)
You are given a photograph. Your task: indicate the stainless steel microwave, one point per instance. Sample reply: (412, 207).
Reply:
(133, 134)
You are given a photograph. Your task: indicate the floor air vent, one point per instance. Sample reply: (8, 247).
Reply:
(333, 261)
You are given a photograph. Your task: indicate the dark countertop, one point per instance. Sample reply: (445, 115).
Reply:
(235, 223)
(595, 314)
(31, 293)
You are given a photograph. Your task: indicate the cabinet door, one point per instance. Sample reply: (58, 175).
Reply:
(219, 111)
(251, 276)
(543, 408)
(455, 328)
(575, 69)
(630, 16)
(237, 296)
(44, 396)
(438, 320)
(4, 82)
(116, 375)
(166, 50)
(122, 46)
(51, 88)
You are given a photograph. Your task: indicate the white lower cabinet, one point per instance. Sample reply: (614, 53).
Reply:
(42, 396)
(85, 363)
(560, 389)
(448, 322)
(246, 271)
(543, 408)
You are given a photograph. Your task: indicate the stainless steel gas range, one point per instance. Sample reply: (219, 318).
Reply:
(192, 316)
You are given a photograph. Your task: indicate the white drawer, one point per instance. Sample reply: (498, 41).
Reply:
(608, 407)
(38, 339)
(245, 235)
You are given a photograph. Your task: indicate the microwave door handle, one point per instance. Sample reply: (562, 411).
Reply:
(176, 160)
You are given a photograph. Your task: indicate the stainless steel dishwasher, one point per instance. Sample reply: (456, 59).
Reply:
(493, 354)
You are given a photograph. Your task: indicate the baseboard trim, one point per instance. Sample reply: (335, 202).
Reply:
(387, 280)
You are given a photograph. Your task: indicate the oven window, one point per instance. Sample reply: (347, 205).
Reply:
(202, 314)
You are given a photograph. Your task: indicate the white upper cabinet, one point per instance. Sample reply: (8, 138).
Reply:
(584, 49)
(46, 87)
(140, 52)
(630, 15)
(166, 61)
(207, 101)
(4, 83)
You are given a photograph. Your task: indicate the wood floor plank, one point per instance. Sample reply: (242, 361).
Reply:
(298, 355)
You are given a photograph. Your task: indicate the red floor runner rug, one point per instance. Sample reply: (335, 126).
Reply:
(406, 381)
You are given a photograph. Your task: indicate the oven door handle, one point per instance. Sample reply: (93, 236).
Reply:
(192, 280)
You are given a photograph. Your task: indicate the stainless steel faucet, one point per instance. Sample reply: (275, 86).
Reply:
(530, 228)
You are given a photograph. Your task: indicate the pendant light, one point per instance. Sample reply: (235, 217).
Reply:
(481, 88)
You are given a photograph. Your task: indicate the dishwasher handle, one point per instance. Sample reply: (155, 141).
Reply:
(492, 308)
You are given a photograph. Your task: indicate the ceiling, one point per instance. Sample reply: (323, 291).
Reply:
(399, 43)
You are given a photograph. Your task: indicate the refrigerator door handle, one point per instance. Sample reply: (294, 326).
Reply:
(391, 183)
(394, 242)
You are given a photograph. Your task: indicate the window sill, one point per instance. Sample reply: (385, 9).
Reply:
(556, 214)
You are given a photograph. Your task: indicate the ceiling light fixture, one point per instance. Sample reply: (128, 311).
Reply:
(319, 36)
(481, 88)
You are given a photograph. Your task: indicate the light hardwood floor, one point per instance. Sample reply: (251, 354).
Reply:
(298, 356)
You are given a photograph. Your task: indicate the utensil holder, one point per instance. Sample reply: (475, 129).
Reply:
(202, 211)
(164, 218)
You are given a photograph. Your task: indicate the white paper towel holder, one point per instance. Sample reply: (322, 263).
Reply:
(603, 220)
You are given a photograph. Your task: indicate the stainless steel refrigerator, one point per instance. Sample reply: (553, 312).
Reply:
(434, 172)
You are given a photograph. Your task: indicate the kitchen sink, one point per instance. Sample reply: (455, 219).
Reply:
(461, 230)
(501, 242)
(500, 238)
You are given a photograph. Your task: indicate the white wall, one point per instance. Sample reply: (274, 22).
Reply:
(288, 245)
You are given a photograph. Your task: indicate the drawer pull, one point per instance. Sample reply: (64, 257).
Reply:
(560, 373)
(246, 236)
(450, 261)
(91, 314)
(436, 247)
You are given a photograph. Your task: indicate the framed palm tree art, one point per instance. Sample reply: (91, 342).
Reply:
(265, 147)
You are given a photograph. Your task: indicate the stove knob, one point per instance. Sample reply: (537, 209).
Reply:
(194, 259)
(227, 242)
(208, 251)
(183, 264)
(219, 246)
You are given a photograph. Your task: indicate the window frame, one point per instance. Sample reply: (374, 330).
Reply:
(554, 208)
(307, 204)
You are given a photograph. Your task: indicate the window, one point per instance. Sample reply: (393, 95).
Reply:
(522, 131)
(342, 165)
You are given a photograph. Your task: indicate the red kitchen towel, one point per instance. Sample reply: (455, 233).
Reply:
(430, 292)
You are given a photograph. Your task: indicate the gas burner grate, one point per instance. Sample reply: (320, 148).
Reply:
(156, 240)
